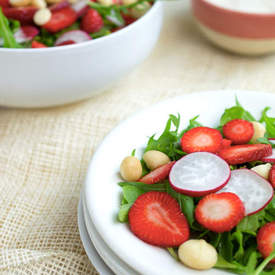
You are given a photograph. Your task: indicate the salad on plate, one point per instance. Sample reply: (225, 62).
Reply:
(206, 194)
(48, 23)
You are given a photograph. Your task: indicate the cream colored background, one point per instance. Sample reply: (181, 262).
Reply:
(44, 154)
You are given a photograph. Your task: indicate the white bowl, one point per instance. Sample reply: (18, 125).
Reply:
(103, 195)
(61, 75)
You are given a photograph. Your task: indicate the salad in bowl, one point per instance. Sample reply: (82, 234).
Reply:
(48, 23)
(206, 194)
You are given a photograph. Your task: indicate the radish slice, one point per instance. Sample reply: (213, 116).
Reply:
(270, 158)
(199, 173)
(254, 191)
(59, 6)
(76, 36)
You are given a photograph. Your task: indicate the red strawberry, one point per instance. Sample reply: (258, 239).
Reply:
(24, 14)
(244, 153)
(59, 6)
(91, 21)
(37, 45)
(158, 174)
(266, 239)
(271, 176)
(225, 143)
(239, 131)
(156, 218)
(220, 212)
(201, 139)
(4, 3)
(30, 31)
(128, 19)
(61, 19)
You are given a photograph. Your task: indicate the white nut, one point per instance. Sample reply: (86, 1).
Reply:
(131, 169)
(140, 9)
(20, 3)
(128, 2)
(263, 170)
(40, 4)
(259, 131)
(42, 16)
(198, 254)
(106, 2)
(155, 159)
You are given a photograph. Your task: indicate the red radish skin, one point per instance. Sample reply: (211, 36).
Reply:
(245, 183)
(199, 165)
(59, 6)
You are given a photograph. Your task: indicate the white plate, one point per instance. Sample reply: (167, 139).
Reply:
(103, 194)
(111, 259)
(90, 250)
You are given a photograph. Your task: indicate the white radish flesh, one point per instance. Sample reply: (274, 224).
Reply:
(270, 158)
(254, 191)
(199, 173)
(76, 36)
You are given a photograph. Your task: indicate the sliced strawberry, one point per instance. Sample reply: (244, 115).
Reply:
(158, 174)
(128, 19)
(91, 21)
(38, 45)
(60, 20)
(271, 176)
(156, 218)
(4, 3)
(201, 139)
(220, 212)
(225, 143)
(239, 131)
(23, 14)
(266, 239)
(59, 6)
(68, 42)
(239, 154)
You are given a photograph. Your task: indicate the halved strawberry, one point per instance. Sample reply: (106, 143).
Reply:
(239, 131)
(225, 143)
(23, 14)
(92, 21)
(37, 45)
(201, 139)
(158, 174)
(238, 154)
(271, 176)
(4, 3)
(220, 212)
(60, 20)
(266, 239)
(156, 218)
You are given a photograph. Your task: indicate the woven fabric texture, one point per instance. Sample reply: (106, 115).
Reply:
(44, 154)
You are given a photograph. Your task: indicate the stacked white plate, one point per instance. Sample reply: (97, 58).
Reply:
(110, 245)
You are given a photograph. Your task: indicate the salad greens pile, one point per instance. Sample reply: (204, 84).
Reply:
(237, 249)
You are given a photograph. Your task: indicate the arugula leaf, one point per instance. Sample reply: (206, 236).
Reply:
(250, 224)
(226, 246)
(168, 140)
(261, 267)
(269, 122)
(131, 193)
(123, 212)
(247, 115)
(103, 32)
(6, 32)
(238, 236)
(232, 266)
(252, 263)
(145, 187)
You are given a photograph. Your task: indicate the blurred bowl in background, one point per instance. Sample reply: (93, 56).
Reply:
(60, 75)
(240, 32)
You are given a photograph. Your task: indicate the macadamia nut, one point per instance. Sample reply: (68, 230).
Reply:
(198, 254)
(20, 3)
(259, 131)
(131, 169)
(140, 9)
(42, 16)
(263, 170)
(40, 4)
(155, 159)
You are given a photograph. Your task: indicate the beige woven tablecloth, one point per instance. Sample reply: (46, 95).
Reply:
(44, 154)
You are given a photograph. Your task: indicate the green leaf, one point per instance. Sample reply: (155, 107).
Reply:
(226, 246)
(261, 267)
(123, 212)
(250, 224)
(173, 253)
(252, 263)
(145, 187)
(192, 124)
(269, 122)
(238, 236)
(168, 140)
(232, 266)
(103, 32)
(131, 193)
(6, 32)
(247, 115)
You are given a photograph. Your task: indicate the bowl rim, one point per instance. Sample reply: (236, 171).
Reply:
(121, 32)
(240, 13)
